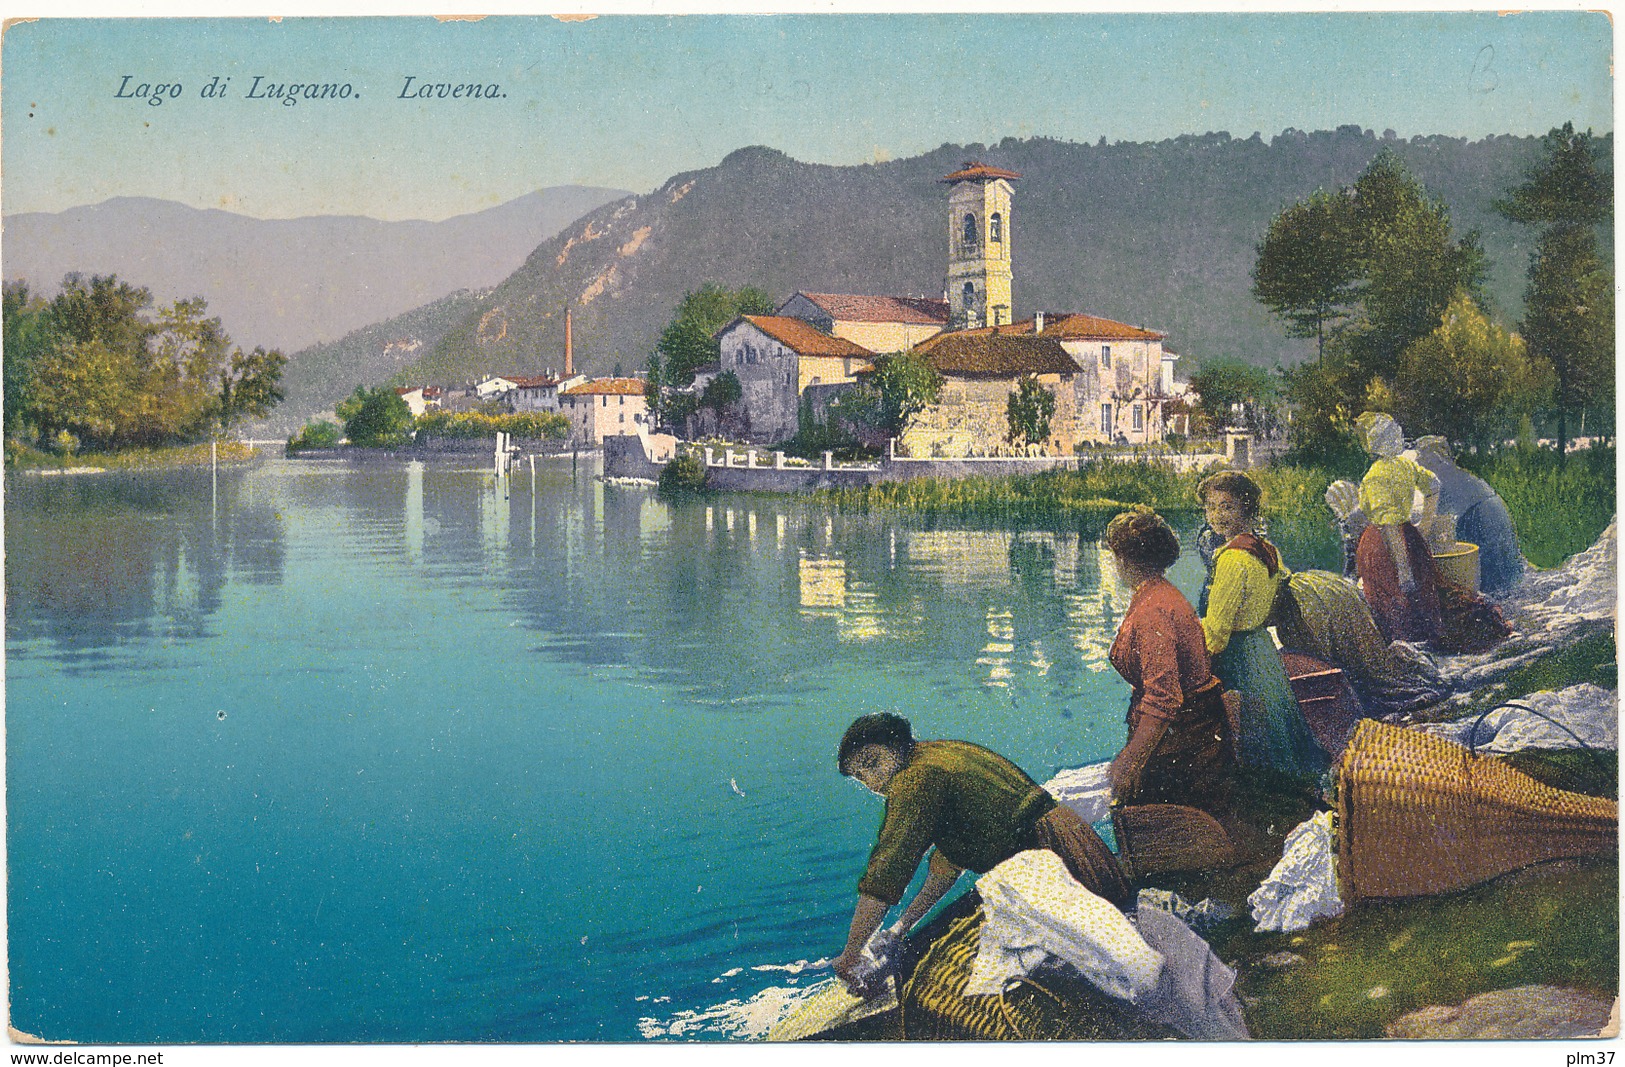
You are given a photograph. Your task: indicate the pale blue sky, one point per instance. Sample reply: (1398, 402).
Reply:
(628, 101)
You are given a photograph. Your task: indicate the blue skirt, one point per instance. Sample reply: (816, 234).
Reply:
(1273, 733)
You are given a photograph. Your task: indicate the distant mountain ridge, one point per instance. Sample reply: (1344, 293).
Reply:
(1161, 235)
(288, 283)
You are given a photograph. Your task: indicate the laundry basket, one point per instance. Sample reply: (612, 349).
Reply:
(1420, 815)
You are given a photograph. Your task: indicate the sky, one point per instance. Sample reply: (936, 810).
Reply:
(627, 101)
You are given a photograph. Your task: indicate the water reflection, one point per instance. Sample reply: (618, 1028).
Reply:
(93, 560)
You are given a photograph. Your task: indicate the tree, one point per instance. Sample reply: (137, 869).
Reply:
(902, 386)
(1569, 305)
(376, 418)
(1410, 269)
(1029, 411)
(1306, 269)
(1463, 379)
(99, 363)
(1569, 321)
(1569, 186)
(688, 341)
(249, 385)
(29, 335)
(1223, 382)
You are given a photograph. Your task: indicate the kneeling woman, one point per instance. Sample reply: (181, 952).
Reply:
(1180, 747)
(969, 808)
(1246, 574)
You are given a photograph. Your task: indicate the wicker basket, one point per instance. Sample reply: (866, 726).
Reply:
(1419, 815)
(1055, 1005)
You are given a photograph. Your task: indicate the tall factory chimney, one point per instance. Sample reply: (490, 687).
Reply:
(569, 350)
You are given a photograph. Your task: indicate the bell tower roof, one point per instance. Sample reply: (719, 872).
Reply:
(974, 171)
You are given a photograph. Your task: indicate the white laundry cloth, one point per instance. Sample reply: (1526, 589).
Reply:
(1033, 908)
(1086, 790)
(1196, 992)
(1303, 886)
(1590, 713)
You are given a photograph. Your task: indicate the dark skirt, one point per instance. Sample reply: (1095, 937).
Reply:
(1063, 832)
(1401, 616)
(1194, 761)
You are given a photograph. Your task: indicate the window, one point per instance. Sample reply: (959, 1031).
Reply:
(1105, 418)
(995, 228)
(1138, 417)
(969, 231)
(1105, 355)
(605, 404)
(970, 294)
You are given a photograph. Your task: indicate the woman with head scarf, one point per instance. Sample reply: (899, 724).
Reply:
(1396, 570)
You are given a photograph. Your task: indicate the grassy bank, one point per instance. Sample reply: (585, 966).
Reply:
(1557, 508)
(20, 457)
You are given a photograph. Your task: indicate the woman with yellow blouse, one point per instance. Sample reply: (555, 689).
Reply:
(1397, 573)
(1246, 574)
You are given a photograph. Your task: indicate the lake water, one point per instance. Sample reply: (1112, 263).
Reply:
(324, 752)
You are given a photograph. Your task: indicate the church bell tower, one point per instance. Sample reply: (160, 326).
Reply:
(979, 245)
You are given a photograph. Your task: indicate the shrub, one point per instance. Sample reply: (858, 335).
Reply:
(319, 433)
(684, 474)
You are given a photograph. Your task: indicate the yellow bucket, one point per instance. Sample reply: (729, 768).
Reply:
(1459, 565)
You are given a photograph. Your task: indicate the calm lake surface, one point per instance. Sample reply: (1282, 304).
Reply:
(386, 752)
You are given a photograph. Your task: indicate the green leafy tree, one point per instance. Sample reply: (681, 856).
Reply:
(902, 386)
(1568, 320)
(376, 418)
(250, 385)
(1409, 266)
(29, 335)
(318, 433)
(688, 341)
(1569, 186)
(1028, 411)
(1222, 382)
(1464, 380)
(100, 363)
(1306, 271)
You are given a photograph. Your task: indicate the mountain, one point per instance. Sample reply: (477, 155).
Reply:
(318, 376)
(288, 283)
(1160, 234)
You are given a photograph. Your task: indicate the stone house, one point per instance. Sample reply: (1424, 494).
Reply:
(1124, 379)
(541, 393)
(878, 323)
(980, 369)
(775, 358)
(603, 407)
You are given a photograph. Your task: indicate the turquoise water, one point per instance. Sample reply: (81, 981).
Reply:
(384, 752)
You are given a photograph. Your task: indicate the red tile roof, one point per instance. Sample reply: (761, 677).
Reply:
(541, 382)
(1068, 326)
(974, 354)
(979, 172)
(608, 386)
(802, 338)
(851, 307)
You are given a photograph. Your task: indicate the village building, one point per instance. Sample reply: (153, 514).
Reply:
(603, 407)
(980, 369)
(776, 359)
(1112, 381)
(541, 393)
(877, 323)
(493, 387)
(979, 238)
(420, 398)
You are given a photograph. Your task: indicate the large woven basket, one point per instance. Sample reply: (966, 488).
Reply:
(1419, 815)
(1055, 1005)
